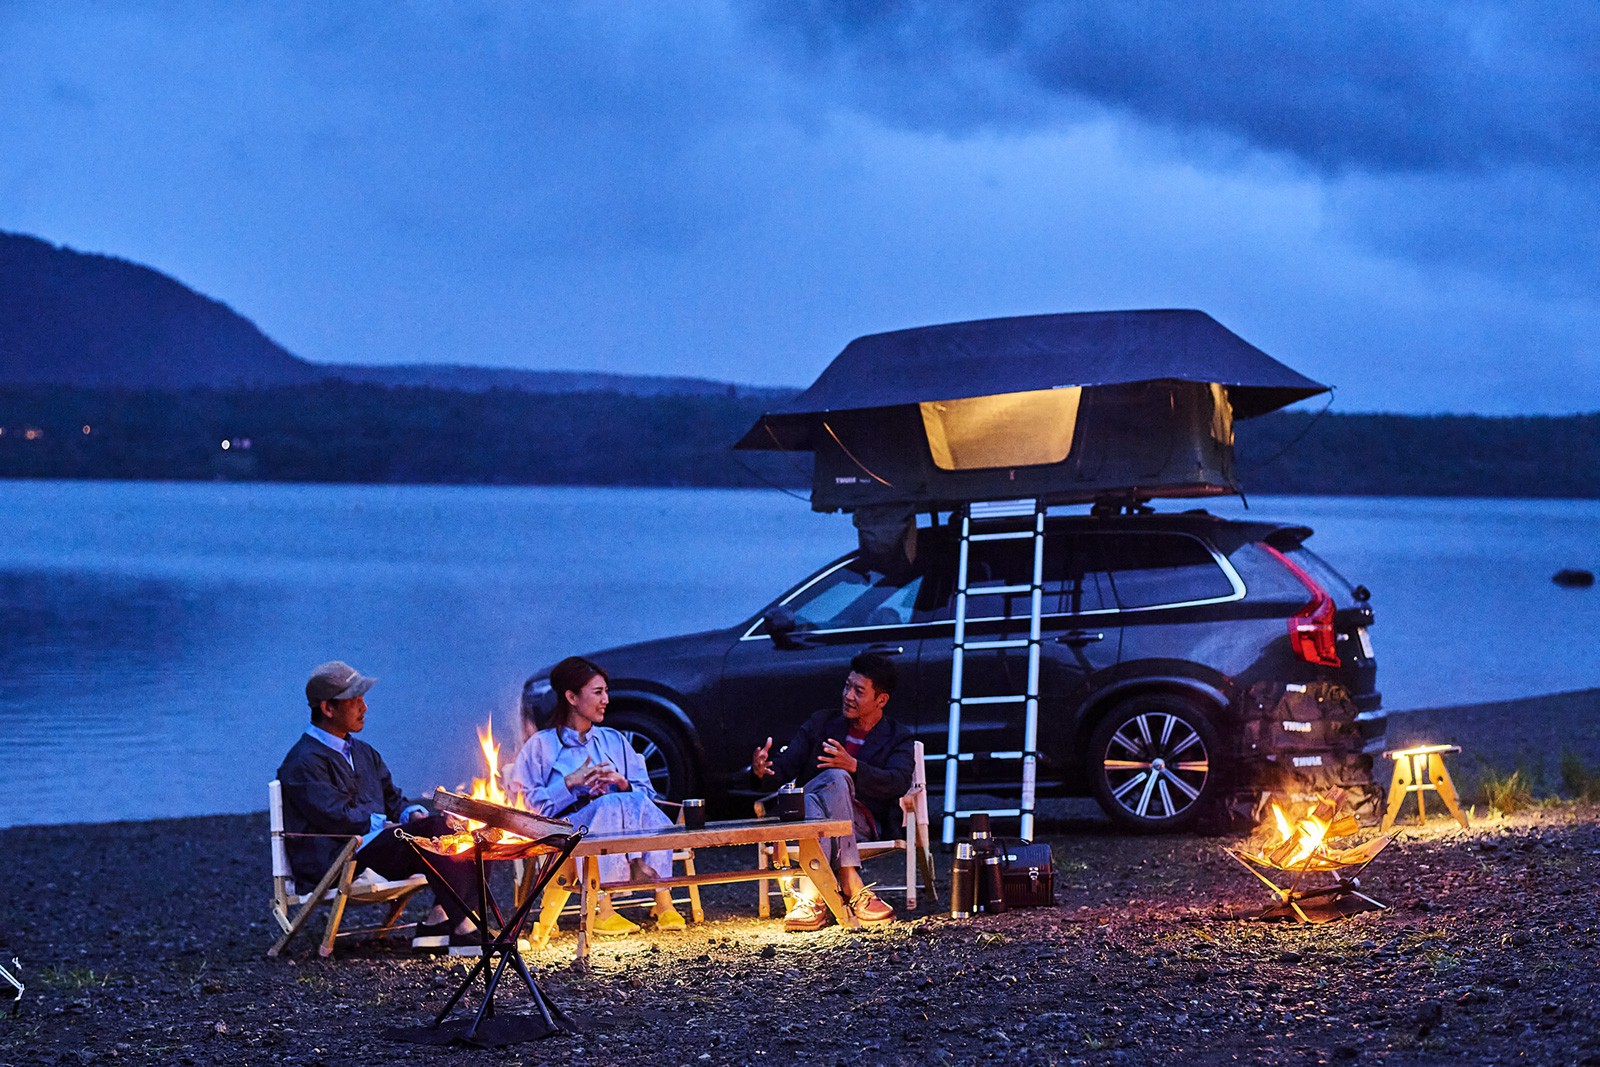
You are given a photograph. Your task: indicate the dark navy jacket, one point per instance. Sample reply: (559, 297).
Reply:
(322, 795)
(884, 765)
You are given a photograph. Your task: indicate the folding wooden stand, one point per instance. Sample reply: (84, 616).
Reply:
(1417, 770)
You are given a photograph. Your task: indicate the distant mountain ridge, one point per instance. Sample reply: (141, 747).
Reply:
(82, 319)
(72, 318)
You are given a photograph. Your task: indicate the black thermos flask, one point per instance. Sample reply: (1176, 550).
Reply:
(963, 883)
(991, 888)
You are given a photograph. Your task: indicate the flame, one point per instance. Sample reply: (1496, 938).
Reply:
(1310, 831)
(1303, 840)
(488, 789)
(1284, 833)
(1297, 842)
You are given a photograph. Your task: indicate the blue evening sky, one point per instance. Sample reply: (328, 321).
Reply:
(1399, 200)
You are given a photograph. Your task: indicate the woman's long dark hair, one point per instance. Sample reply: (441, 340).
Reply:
(569, 676)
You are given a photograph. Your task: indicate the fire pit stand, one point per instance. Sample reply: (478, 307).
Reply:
(1319, 905)
(1302, 848)
(549, 851)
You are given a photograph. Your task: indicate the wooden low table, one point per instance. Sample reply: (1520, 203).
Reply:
(579, 873)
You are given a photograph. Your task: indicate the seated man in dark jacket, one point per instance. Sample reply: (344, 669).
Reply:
(334, 784)
(855, 764)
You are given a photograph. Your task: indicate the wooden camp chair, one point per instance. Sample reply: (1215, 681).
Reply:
(337, 888)
(915, 843)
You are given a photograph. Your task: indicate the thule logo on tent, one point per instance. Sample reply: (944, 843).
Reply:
(1308, 761)
(1296, 727)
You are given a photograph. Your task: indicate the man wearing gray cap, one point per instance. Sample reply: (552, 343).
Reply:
(336, 785)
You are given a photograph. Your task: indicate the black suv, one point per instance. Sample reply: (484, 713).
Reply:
(1155, 628)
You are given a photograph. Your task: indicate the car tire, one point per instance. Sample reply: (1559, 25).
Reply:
(1155, 762)
(666, 756)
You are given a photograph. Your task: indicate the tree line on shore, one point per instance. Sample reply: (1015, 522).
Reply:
(342, 432)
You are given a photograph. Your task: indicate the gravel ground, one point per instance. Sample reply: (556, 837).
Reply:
(143, 943)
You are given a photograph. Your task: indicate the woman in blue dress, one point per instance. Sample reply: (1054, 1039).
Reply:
(576, 769)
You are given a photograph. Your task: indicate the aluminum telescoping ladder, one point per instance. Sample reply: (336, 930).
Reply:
(1028, 754)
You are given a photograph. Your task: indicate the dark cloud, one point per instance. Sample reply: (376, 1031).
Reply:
(1460, 134)
(1344, 85)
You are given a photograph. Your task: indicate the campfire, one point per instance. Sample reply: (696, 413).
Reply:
(494, 821)
(1299, 846)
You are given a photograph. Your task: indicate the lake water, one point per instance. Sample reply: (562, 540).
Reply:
(155, 638)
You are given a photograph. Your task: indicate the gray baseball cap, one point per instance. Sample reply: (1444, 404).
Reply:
(336, 681)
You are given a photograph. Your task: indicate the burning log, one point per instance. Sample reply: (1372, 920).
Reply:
(499, 831)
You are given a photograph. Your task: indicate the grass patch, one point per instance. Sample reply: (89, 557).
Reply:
(1526, 786)
(71, 978)
(1506, 793)
(1577, 781)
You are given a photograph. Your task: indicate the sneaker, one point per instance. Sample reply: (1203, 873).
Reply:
(869, 909)
(808, 913)
(432, 935)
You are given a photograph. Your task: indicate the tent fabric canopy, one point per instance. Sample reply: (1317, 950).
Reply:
(990, 357)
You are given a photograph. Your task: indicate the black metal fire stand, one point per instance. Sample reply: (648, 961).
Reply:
(499, 950)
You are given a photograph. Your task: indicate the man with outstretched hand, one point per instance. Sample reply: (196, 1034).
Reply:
(856, 764)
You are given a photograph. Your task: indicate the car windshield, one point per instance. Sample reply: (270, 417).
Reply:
(851, 596)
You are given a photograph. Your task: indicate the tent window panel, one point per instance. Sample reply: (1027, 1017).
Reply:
(1008, 430)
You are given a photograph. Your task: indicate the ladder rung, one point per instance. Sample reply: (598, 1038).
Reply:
(1007, 535)
(1018, 699)
(970, 757)
(991, 811)
(998, 590)
(1017, 642)
(1001, 509)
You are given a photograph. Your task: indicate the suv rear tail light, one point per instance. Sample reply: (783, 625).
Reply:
(1311, 628)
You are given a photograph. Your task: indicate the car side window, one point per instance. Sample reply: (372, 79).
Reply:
(852, 596)
(1152, 569)
(1074, 581)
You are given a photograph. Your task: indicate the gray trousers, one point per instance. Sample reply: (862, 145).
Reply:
(831, 795)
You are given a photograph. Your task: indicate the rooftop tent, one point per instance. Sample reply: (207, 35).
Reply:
(1062, 407)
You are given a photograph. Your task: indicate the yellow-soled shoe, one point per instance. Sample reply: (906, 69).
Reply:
(614, 925)
(668, 920)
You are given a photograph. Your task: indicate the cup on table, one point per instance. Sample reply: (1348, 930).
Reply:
(694, 813)
(791, 804)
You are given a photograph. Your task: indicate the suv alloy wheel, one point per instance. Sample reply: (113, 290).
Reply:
(1155, 763)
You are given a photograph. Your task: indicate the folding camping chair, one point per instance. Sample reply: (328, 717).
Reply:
(337, 888)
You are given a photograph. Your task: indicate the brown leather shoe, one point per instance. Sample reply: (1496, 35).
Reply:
(869, 909)
(808, 913)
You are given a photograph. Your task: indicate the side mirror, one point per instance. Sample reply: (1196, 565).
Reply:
(781, 625)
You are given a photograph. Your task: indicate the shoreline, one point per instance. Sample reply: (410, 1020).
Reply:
(1532, 733)
(747, 484)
